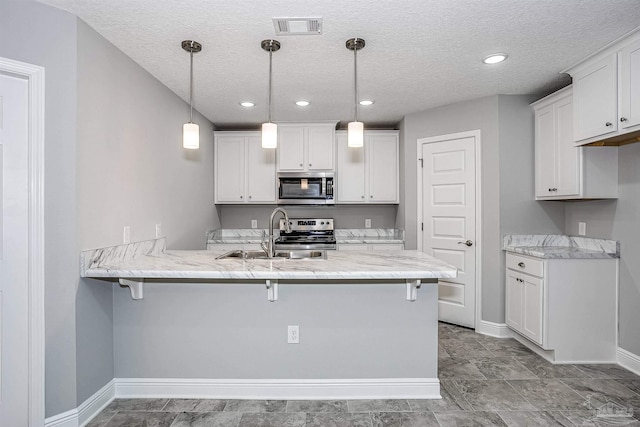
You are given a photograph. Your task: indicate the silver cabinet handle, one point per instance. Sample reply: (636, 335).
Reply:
(608, 124)
(468, 243)
(249, 196)
(623, 119)
(521, 264)
(363, 197)
(371, 196)
(310, 165)
(241, 197)
(300, 164)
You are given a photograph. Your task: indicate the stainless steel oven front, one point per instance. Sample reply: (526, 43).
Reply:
(305, 188)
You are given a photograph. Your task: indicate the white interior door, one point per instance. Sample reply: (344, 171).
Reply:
(448, 216)
(14, 279)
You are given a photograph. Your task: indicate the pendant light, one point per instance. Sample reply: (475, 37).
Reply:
(355, 133)
(191, 131)
(269, 129)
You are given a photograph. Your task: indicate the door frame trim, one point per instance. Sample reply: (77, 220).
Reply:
(36, 115)
(476, 135)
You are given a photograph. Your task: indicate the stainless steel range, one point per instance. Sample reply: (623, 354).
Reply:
(306, 233)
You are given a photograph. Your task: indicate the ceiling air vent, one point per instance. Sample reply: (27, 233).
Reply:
(297, 26)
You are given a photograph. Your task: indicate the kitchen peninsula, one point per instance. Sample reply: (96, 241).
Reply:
(367, 323)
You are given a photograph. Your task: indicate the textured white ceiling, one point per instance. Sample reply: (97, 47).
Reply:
(419, 54)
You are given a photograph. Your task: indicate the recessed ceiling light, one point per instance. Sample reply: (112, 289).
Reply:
(302, 103)
(247, 104)
(495, 58)
(366, 102)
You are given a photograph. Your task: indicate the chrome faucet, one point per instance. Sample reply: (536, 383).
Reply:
(270, 246)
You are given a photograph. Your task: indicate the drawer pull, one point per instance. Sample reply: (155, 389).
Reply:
(521, 264)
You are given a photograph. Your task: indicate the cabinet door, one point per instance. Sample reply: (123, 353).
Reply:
(545, 147)
(630, 86)
(532, 308)
(261, 172)
(568, 157)
(595, 95)
(229, 173)
(514, 298)
(383, 168)
(320, 142)
(290, 148)
(352, 247)
(350, 178)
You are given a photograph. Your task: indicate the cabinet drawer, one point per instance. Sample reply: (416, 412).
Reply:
(527, 265)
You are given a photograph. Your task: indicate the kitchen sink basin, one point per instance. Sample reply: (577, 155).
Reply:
(279, 255)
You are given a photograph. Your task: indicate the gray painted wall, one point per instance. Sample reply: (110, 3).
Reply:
(506, 126)
(231, 331)
(40, 35)
(132, 170)
(619, 220)
(346, 216)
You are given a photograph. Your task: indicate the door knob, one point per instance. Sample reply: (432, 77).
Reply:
(468, 243)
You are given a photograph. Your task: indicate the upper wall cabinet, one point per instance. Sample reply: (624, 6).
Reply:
(244, 171)
(606, 94)
(368, 174)
(562, 170)
(306, 147)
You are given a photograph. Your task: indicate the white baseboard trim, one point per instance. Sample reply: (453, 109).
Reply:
(96, 403)
(307, 389)
(91, 407)
(498, 330)
(628, 360)
(65, 419)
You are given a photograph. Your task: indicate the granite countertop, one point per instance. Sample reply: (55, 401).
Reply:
(151, 260)
(552, 246)
(343, 235)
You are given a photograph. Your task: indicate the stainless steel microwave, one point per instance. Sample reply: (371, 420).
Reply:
(305, 188)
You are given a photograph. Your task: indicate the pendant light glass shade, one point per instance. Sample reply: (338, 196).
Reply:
(191, 131)
(269, 129)
(355, 132)
(191, 136)
(269, 135)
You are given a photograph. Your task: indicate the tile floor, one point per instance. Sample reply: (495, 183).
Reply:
(484, 382)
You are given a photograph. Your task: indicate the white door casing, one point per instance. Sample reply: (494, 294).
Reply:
(449, 217)
(22, 257)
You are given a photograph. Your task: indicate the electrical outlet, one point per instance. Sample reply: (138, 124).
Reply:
(293, 334)
(126, 234)
(582, 228)
(254, 223)
(158, 231)
(367, 223)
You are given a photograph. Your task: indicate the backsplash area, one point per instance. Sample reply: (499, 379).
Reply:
(345, 216)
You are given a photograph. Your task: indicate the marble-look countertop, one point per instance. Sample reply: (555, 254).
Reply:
(561, 247)
(201, 264)
(343, 235)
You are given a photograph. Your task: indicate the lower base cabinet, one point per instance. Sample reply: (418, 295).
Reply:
(567, 307)
(370, 247)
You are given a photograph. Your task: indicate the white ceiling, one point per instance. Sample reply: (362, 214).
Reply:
(419, 54)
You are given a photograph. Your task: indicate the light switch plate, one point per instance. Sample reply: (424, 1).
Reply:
(367, 223)
(582, 228)
(254, 223)
(158, 231)
(126, 234)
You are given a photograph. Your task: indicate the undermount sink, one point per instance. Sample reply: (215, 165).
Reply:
(279, 255)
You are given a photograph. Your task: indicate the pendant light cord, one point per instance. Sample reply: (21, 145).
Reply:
(355, 83)
(270, 78)
(191, 87)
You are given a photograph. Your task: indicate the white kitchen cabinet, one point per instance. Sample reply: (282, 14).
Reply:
(244, 171)
(524, 304)
(306, 147)
(370, 246)
(566, 307)
(606, 98)
(562, 170)
(368, 174)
